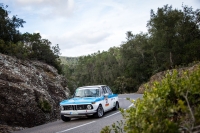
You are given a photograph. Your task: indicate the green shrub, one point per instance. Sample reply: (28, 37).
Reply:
(172, 105)
(44, 105)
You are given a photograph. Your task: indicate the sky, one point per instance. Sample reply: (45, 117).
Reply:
(83, 27)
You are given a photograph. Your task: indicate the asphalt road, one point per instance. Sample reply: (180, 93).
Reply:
(85, 125)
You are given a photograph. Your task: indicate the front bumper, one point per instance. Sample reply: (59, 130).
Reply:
(77, 113)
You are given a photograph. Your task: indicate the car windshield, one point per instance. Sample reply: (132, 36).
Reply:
(91, 92)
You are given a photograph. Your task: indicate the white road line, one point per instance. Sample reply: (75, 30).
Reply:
(75, 127)
(118, 112)
(112, 115)
(130, 106)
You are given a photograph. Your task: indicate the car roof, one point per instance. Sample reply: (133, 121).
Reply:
(91, 86)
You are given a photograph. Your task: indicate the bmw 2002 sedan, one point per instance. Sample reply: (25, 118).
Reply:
(89, 101)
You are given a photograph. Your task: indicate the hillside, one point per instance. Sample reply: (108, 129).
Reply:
(70, 61)
(161, 75)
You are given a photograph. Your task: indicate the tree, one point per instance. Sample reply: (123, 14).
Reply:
(136, 56)
(26, 45)
(40, 49)
(173, 35)
(8, 26)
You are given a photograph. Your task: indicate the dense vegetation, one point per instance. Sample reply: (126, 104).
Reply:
(169, 106)
(27, 45)
(173, 40)
(172, 105)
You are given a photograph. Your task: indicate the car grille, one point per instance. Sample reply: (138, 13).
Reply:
(75, 107)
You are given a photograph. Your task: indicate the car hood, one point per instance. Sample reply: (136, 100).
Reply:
(83, 100)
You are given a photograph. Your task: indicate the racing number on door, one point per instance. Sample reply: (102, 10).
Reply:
(106, 97)
(107, 104)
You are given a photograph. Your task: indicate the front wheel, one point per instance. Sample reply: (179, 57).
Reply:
(65, 119)
(99, 112)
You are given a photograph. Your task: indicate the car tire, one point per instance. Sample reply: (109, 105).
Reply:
(65, 119)
(100, 112)
(116, 106)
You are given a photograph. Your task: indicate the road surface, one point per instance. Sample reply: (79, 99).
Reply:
(85, 125)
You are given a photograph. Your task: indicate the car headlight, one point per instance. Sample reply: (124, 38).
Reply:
(61, 108)
(89, 106)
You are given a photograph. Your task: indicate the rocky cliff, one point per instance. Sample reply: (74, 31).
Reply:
(30, 92)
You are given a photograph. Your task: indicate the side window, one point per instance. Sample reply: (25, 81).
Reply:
(109, 90)
(104, 90)
(101, 91)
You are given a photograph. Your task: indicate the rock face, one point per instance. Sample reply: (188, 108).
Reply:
(30, 92)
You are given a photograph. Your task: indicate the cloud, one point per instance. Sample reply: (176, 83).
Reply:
(82, 27)
(79, 39)
(48, 9)
(95, 25)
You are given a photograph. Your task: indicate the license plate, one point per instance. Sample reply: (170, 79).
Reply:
(73, 113)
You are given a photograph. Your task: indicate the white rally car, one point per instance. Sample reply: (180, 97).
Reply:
(89, 101)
